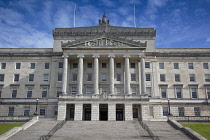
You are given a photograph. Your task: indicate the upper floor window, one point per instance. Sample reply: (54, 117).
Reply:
(89, 77)
(147, 64)
(60, 64)
(29, 92)
(103, 90)
(207, 77)
(59, 90)
(14, 92)
(0, 91)
(133, 90)
(197, 111)
(75, 65)
(18, 65)
(47, 65)
(161, 65)
(119, 90)
(44, 92)
(46, 77)
(103, 65)
(118, 65)
(190, 66)
(133, 77)
(1, 77)
(192, 77)
(103, 77)
(177, 78)
(89, 65)
(3, 65)
(176, 65)
(133, 65)
(162, 78)
(148, 77)
(163, 92)
(31, 77)
(194, 93)
(89, 90)
(205, 66)
(16, 77)
(32, 66)
(178, 92)
(60, 77)
(74, 77)
(148, 91)
(74, 90)
(118, 77)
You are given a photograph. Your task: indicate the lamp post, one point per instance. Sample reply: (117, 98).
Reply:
(36, 113)
(169, 109)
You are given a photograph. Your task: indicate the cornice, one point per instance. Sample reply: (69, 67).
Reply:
(178, 54)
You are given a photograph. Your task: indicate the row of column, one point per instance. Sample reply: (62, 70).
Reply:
(96, 74)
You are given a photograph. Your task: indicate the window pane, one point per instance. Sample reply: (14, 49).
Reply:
(74, 77)
(133, 65)
(103, 65)
(0, 91)
(89, 65)
(148, 91)
(163, 92)
(194, 92)
(148, 77)
(197, 111)
(192, 78)
(60, 76)
(133, 90)
(44, 92)
(181, 111)
(47, 65)
(207, 77)
(29, 92)
(89, 77)
(133, 77)
(14, 92)
(190, 65)
(118, 65)
(118, 77)
(45, 77)
(161, 65)
(103, 90)
(32, 66)
(205, 66)
(75, 65)
(147, 64)
(119, 90)
(3, 65)
(59, 89)
(177, 78)
(1, 77)
(11, 111)
(208, 92)
(26, 111)
(60, 64)
(162, 77)
(18, 65)
(42, 111)
(178, 92)
(165, 111)
(176, 65)
(16, 77)
(89, 90)
(31, 77)
(74, 90)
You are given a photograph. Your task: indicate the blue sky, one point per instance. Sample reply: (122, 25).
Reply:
(179, 23)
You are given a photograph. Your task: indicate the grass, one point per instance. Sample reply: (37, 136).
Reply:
(4, 127)
(202, 129)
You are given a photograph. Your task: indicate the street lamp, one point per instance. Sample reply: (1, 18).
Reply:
(36, 113)
(169, 109)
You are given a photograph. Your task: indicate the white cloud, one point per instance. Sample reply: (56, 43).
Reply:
(208, 39)
(108, 3)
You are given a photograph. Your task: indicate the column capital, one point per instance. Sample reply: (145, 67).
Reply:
(65, 56)
(111, 56)
(80, 56)
(126, 56)
(140, 56)
(96, 56)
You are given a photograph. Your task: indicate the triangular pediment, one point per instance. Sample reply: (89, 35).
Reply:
(104, 41)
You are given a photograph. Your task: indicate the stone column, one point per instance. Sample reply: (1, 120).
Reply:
(61, 111)
(95, 77)
(64, 78)
(139, 73)
(111, 112)
(143, 86)
(111, 74)
(78, 112)
(127, 75)
(94, 112)
(80, 74)
(128, 112)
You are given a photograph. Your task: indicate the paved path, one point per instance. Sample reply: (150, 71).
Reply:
(101, 130)
(166, 132)
(42, 127)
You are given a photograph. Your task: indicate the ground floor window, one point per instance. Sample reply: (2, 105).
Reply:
(208, 92)
(197, 111)
(181, 111)
(11, 111)
(165, 111)
(42, 111)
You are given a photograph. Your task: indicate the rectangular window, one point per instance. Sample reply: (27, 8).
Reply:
(89, 90)
(44, 92)
(103, 65)
(56, 111)
(14, 92)
(46, 77)
(177, 78)
(103, 90)
(1, 77)
(181, 111)
(197, 111)
(75, 65)
(192, 77)
(190, 66)
(89, 65)
(58, 89)
(16, 77)
(74, 90)
(31, 77)
(42, 111)
(11, 111)
(148, 77)
(74, 77)
(133, 77)
(118, 65)
(165, 111)
(148, 91)
(89, 77)
(32, 66)
(133, 90)
(0, 91)
(147, 65)
(3, 65)
(176, 65)
(103, 77)
(162, 78)
(205, 66)
(119, 90)
(47, 65)
(60, 77)
(163, 92)
(161, 65)
(194, 92)
(207, 90)
(133, 65)
(18, 65)
(29, 92)
(118, 77)
(26, 111)
(60, 65)
(179, 93)
(207, 77)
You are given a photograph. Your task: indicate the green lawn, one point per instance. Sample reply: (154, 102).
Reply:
(4, 127)
(202, 129)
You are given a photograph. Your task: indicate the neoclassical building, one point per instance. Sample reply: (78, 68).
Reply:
(105, 72)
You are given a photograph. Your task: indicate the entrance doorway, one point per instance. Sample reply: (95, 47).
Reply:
(137, 111)
(119, 112)
(103, 112)
(70, 112)
(87, 112)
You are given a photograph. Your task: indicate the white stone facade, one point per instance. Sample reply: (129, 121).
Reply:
(105, 73)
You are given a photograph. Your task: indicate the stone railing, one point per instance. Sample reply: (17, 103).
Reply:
(15, 118)
(190, 118)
